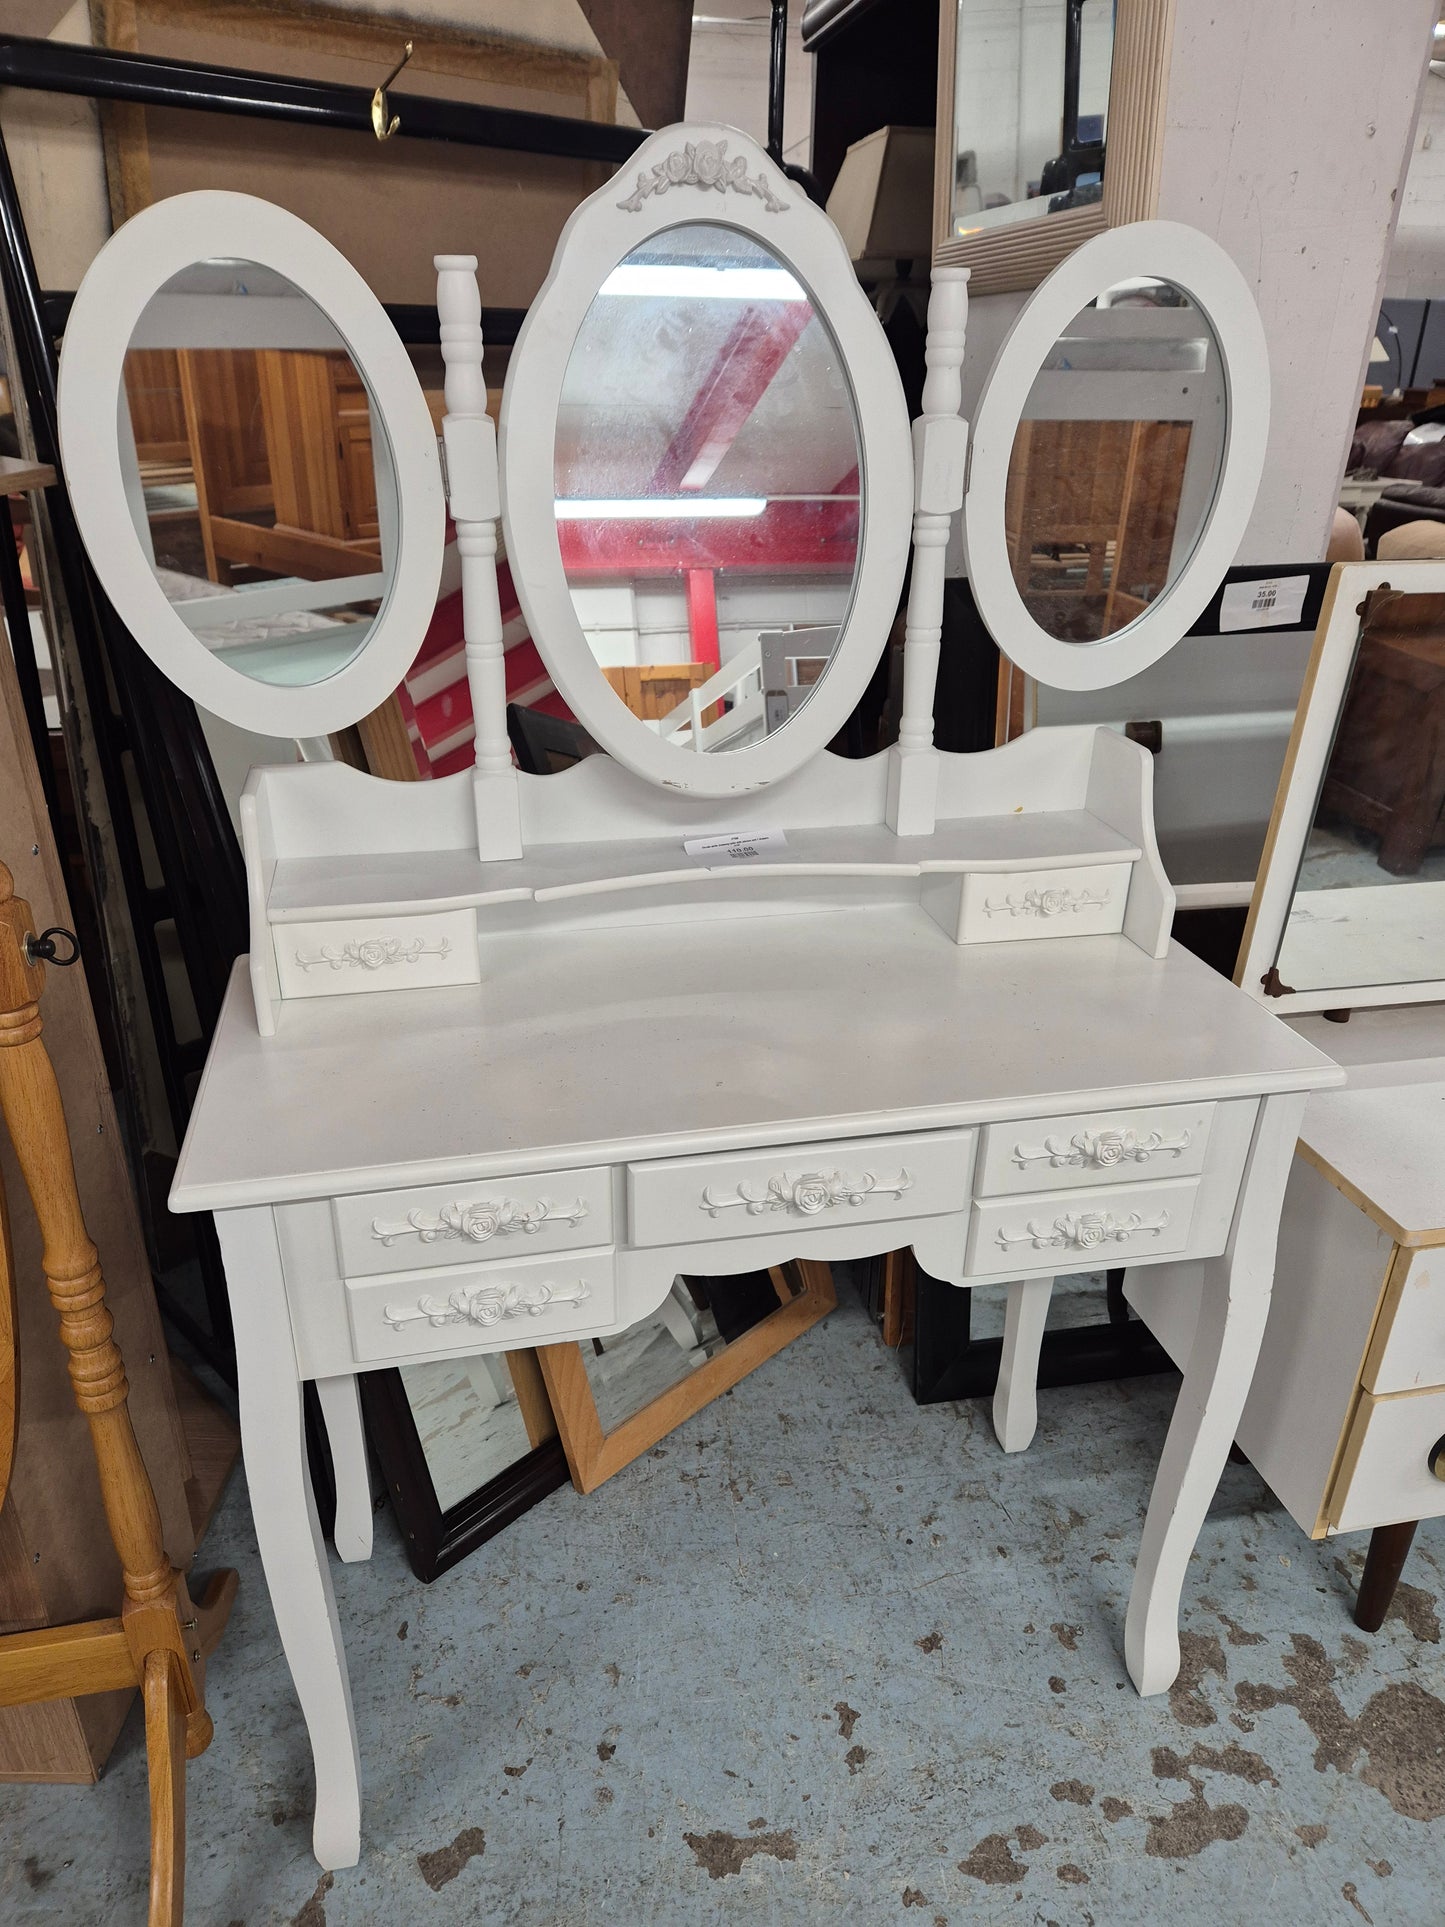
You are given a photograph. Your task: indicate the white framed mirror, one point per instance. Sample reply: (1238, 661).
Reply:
(707, 470)
(252, 463)
(1117, 450)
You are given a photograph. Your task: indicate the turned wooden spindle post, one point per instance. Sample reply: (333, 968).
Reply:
(160, 1641)
(474, 499)
(940, 447)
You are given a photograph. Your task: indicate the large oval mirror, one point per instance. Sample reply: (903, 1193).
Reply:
(252, 463)
(1117, 450)
(708, 479)
(707, 472)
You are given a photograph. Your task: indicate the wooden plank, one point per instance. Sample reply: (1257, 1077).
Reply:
(59, 1661)
(17, 475)
(213, 1439)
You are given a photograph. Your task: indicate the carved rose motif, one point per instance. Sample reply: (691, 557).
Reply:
(1051, 902)
(1108, 1147)
(812, 1195)
(1091, 1229)
(679, 165)
(708, 160)
(703, 164)
(483, 1221)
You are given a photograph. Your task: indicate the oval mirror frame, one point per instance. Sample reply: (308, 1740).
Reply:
(714, 174)
(1164, 251)
(132, 267)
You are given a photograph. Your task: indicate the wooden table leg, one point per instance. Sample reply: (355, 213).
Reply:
(1015, 1398)
(165, 1716)
(1233, 1308)
(1384, 1562)
(273, 1445)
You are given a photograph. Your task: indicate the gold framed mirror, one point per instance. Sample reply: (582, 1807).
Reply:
(1079, 151)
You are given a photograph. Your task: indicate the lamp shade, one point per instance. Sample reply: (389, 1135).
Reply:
(882, 200)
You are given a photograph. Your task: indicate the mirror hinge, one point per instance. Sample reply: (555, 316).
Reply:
(442, 458)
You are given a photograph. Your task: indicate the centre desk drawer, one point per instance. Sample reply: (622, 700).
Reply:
(457, 1224)
(1129, 1223)
(534, 1301)
(858, 1181)
(1094, 1147)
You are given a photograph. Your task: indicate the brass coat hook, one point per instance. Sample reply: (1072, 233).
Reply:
(382, 126)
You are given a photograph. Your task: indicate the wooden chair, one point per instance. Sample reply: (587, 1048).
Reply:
(160, 1640)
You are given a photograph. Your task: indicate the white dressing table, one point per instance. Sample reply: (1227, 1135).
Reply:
(508, 1055)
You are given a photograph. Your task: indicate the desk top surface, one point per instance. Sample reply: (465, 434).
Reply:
(1385, 1148)
(588, 1045)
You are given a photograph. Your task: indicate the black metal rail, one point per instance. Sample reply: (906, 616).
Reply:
(100, 73)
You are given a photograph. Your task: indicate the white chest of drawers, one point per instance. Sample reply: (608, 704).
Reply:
(408, 1190)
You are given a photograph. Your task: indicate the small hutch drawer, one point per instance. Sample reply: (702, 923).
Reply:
(447, 1224)
(1013, 905)
(345, 954)
(1094, 1147)
(1385, 1474)
(1013, 1237)
(1407, 1351)
(535, 1301)
(686, 1200)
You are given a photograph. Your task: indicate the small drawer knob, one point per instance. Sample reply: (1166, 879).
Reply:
(1437, 1458)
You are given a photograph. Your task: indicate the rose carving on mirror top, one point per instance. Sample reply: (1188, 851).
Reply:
(808, 1195)
(477, 1222)
(703, 164)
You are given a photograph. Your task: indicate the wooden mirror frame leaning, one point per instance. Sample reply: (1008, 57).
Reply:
(133, 267)
(1327, 685)
(1019, 254)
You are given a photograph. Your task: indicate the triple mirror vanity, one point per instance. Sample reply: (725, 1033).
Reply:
(512, 1052)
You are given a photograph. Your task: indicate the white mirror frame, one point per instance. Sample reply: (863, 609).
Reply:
(1326, 688)
(1164, 251)
(130, 269)
(663, 187)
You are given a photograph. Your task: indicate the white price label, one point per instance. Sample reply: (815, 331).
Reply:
(1273, 602)
(736, 846)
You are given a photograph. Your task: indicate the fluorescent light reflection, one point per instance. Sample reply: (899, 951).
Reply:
(703, 284)
(652, 508)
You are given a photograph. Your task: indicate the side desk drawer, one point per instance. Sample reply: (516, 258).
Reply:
(445, 1224)
(1094, 1147)
(1385, 1475)
(535, 1301)
(863, 1181)
(1013, 1237)
(1407, 1352)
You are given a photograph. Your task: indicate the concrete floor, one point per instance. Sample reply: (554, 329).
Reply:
(822, 1656)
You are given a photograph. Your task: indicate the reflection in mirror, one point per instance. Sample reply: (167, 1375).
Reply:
(468, 1422)
(1116, 460)
(698, 1319)
(707, 480)
(1031, 101)
(1369, 900)
(261, 485)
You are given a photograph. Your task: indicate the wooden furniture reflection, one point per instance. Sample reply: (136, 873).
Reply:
(1090, 512)
(278, 445)
(654, 689)
(1386, 773)
(160, 1640)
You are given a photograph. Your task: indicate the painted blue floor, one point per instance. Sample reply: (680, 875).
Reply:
(823, 1656)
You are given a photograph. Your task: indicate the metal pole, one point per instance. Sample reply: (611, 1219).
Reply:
(777, 77)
